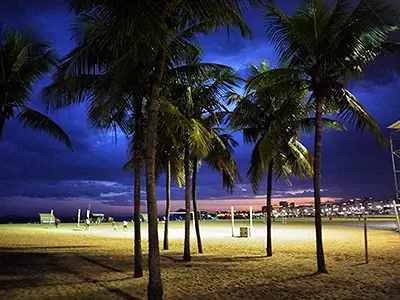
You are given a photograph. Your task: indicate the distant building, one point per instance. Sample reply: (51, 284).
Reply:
(284, 204)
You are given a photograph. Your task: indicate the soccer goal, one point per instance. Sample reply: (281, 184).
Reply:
(180, 216)
(245, 231)
(47, 218)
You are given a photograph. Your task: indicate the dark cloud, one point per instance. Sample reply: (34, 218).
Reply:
(93, 189)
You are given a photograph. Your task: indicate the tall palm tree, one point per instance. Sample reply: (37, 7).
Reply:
(115, 95)
(208, 97)
(271, 117)
(169, 160)
(172, 163)
(115, 98)
(195, 91)
(117, 28)
(324, 46)
(220, 159)
(135, 164)
(24, 59)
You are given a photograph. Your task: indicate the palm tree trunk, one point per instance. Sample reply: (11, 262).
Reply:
(317, 185)
(269, 207)
(138, 258)
(168, 204)
(155, 289)
(186, 252)
(138, 262)
(2, 121)
(196, 215)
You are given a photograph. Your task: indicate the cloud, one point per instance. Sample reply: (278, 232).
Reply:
(65, 188)
(128, 203)
(112, 194)
(99, 182)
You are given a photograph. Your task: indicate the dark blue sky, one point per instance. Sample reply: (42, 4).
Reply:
(37, 173)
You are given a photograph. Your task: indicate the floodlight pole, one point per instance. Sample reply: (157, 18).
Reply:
(233, 222)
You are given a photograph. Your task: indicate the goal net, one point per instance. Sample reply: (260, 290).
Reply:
(180, 216)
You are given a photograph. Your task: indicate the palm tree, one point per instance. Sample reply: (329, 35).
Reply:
(118, 28)
(195, 139)
(220, 159)
(323, 47)
(208, 99)
(194, 91)
(173, 162)
(271, 117)
(24, 59)
(135, 164)
(115, 98)
(169, 160)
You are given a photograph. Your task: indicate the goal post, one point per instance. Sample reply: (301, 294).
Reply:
(233, 219)
(251, 216)
(184, 214)
(79, 217)
(284, 218)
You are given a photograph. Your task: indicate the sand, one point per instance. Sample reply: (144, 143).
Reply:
(41, 262)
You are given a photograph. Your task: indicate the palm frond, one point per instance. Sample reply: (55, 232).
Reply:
(353, 112)
(35, 120)
(307, 125)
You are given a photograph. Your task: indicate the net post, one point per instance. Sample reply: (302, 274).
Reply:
(251, 216)
(366, 239)
(79, 217)
(233, 222)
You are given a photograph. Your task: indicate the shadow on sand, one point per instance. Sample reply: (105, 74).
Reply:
(23, 248)
(41, 269)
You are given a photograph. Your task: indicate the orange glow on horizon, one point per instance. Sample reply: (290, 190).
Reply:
(239, 204)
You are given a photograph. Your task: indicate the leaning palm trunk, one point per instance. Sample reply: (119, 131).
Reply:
(195, 212)
(186, 252)
(317, 185)
(168, 204)
(269, 208)
(155, 289)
